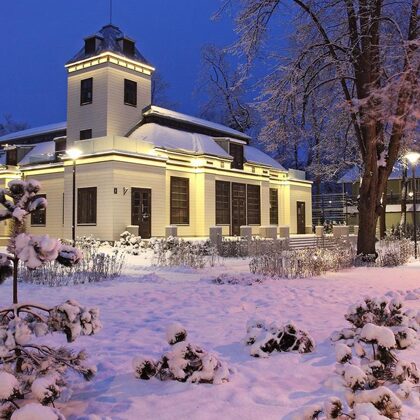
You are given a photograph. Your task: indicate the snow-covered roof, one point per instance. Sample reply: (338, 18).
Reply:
(353, 175)
(171, 139)
(42, 152)
(195, 121)
(254, 155)
(108, 41)
(30, 132)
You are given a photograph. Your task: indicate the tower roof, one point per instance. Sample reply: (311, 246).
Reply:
(108, 40)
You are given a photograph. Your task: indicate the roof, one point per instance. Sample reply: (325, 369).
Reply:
(216, 129)
(353, 175)
(45, 129)
(172, 139)
(108, 37)
(254, 155)
(41, 152)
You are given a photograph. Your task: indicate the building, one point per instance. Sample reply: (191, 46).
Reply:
(351, 184)
(146, 166)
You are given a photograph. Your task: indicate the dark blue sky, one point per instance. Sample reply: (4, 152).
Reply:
(38, 37)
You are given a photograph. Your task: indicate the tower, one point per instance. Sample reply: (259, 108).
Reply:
(109, 83)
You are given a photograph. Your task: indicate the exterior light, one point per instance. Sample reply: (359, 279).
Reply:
(412, 157)
(198, 162)
(410, 194)
(73, 153)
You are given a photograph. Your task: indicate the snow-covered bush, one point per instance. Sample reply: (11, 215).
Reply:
(264, 338)
(244, 279)
(303, 262)
(176, 252)
(249, 247)
(25, 367)
(184, 362)
(131, 243)
(393, 252)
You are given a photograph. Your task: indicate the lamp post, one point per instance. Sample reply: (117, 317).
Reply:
(73, 154)
(413, 158)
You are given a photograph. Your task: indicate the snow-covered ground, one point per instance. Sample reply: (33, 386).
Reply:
(137, 307)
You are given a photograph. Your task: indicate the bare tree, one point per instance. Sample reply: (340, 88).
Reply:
(10, 125)
(160, 89)
(361, 60)
(226, 101)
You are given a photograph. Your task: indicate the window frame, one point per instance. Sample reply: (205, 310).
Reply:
(41, 213)
(128, 93)
(274, 206)
(253, 205)
(83, 201)
(84, 91)
(174, 219)
(222, 198)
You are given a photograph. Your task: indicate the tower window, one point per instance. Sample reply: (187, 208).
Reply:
(86, 134)
(11, 157)
(130, 92)
(237, 152)
(128, 47)
(86, 91)
(90, 45)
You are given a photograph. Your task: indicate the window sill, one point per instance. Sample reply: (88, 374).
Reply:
(132, 105)
(85, 103)
(180, 224)
(86, 224)
(38, 225)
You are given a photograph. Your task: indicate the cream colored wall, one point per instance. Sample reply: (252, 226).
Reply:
(107, 114)
(300, 192)
(52, 184)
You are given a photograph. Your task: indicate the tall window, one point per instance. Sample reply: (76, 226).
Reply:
(39, 217)
(11, 157)
(222, 203)
(130, 92)
(86, 91)
(86, 134)
(180, 211)
(274, 206)
(253, 205)
(86, 205)
(237, 152)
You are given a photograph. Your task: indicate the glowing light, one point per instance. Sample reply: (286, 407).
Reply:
(412, 157)
(198, 162)
(73, 153)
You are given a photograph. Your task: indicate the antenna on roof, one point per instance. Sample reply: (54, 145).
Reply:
(110, 12)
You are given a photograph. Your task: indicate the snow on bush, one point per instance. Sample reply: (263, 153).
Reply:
(264, 338)
(343, 353)
(184, 362)
(176, 252)
(25, 367)
(35, 411)
(244, 279)
(302, 263)
(131, 243)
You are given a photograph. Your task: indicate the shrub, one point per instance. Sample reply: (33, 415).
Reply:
(302, 263)
(176, 252)
(243, 247)
(185, 362)
(392, 253)
(245, 279)
(131, 243)
(264, 338)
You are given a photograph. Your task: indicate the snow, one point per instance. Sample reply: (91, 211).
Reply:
(383, 336)
(36, 412)
(173, 115)
(45, 129)
(8, 385)
(254, 155)
(137, 307)
(42, 152)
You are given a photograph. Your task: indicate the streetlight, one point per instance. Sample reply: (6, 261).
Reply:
(413, 158)
(73, 154)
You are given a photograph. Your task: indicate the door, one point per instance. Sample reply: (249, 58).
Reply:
(301, 222)
(238, 208)
(141, 211)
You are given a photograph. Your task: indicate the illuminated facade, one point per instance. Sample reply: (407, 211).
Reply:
(146, 167)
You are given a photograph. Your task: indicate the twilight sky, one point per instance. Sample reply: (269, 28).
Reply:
(38, 37)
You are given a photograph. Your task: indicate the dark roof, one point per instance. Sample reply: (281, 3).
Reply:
(184, 122)
(108, 38)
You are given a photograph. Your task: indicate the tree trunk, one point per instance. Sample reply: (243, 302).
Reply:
(382, 219)
(368, 219)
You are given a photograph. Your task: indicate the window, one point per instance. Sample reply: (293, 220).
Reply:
(39, 217)
(86, 94)
(86, 134)
(130, 92)
(60, 146)
(180, 212)
(222, 203)
(128, 47)
(253, 205)
(11, 157)
(274, 206)
(86, 206)
(90, 45)
(237, 152)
